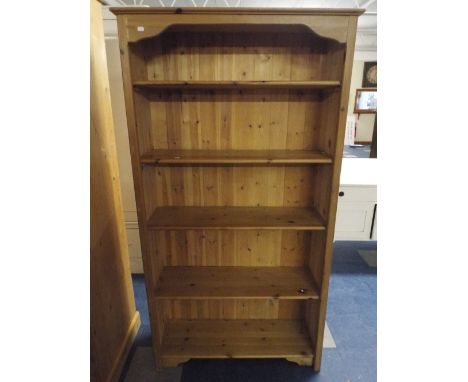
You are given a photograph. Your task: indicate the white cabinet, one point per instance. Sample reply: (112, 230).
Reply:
(356, 213)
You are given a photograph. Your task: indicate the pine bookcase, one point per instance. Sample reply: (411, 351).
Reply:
(236, 121)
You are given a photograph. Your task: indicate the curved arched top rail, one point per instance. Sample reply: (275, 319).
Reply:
(143, 23)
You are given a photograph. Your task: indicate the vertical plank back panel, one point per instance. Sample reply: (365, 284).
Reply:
(236, 247)
(235, 119)
(232, 309)
(131, 66)
(234, 56)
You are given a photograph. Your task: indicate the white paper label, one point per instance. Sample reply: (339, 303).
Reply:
(140, 29)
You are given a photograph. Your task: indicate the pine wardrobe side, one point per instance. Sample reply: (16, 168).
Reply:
(236, 121)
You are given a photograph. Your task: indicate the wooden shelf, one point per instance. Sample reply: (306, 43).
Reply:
(236, 84)
(291, 283)
(294, 218)
(184, 339)
(235, 157)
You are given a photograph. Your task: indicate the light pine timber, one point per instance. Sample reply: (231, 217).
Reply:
(236, 218)
(237, 84)
(235, 282)
(237, 339)
(114, 320)
(236, 122)
(234, 157)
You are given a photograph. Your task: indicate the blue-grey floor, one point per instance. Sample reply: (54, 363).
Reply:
(351, 318)
(356, 151)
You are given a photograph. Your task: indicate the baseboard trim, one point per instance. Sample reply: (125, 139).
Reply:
(136, 265)
(127, 343)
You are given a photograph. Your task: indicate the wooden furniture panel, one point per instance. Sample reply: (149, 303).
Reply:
(114, 318)
(234, 157)
(233, 247)
(247, 119)
(174, 84)
(231, 309)
(236, 121)
(251, 338)
(235, 218)
(236, 186)
(235, 282)
(240, 56)
(327, 23)
(325, 199)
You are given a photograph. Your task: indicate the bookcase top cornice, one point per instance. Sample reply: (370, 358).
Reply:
(238, 11)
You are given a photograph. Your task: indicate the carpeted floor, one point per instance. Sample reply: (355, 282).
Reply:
(350, 352)
(356, 151)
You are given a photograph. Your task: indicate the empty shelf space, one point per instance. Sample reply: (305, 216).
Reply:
(219, 282)
(305, 218)
(185, 339)
(236, 84)
(235, 157)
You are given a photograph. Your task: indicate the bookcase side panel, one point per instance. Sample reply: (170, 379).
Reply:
(131, 65)
(328, 200)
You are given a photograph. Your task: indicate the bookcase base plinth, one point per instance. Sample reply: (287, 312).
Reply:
(240, 339)
(236, 339)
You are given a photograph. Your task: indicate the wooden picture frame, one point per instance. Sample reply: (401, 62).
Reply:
(365, 101)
